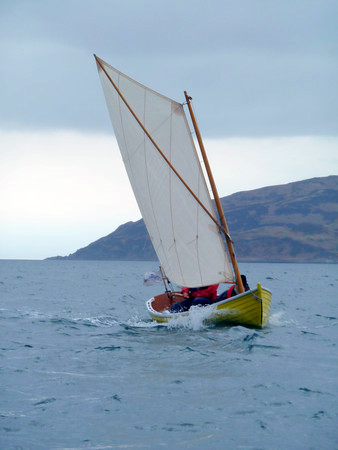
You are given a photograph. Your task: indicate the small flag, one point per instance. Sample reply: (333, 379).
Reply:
(151, 278)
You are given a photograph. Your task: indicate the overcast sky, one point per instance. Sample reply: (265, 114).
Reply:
(262, 74)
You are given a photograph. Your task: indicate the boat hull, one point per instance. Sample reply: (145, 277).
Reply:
(251, 308)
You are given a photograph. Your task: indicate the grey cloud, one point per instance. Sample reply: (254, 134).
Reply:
(253, 67)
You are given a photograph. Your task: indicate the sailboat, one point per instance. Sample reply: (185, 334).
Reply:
(191, 238)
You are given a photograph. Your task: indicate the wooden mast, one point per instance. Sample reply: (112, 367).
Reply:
(217, 199)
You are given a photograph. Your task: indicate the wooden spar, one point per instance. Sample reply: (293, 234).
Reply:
(99, 63)
(217, 199)
(164, 279)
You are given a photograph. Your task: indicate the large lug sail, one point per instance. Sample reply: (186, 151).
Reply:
(186, 239)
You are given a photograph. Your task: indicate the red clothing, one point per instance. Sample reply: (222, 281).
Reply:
(230, 292)
(205, 291)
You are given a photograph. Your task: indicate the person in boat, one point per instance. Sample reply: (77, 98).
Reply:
(200, 296)
(233, 290)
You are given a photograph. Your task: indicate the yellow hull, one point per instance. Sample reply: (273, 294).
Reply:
(251, 309)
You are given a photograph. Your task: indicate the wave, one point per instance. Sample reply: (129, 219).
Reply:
(278, 319)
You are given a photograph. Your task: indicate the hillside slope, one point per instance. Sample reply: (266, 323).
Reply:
(295, 222)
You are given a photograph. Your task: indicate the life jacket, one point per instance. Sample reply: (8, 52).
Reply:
(230, 292)
(204, 291)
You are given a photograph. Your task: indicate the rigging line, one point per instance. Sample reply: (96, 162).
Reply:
(98, 60)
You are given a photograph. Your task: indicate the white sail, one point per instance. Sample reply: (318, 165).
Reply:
(186, 240)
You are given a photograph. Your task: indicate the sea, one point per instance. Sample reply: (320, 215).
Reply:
(82, 365)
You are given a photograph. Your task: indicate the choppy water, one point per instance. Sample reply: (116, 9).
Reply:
(82, 365)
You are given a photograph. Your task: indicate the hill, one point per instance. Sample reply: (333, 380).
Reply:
(295, 222)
